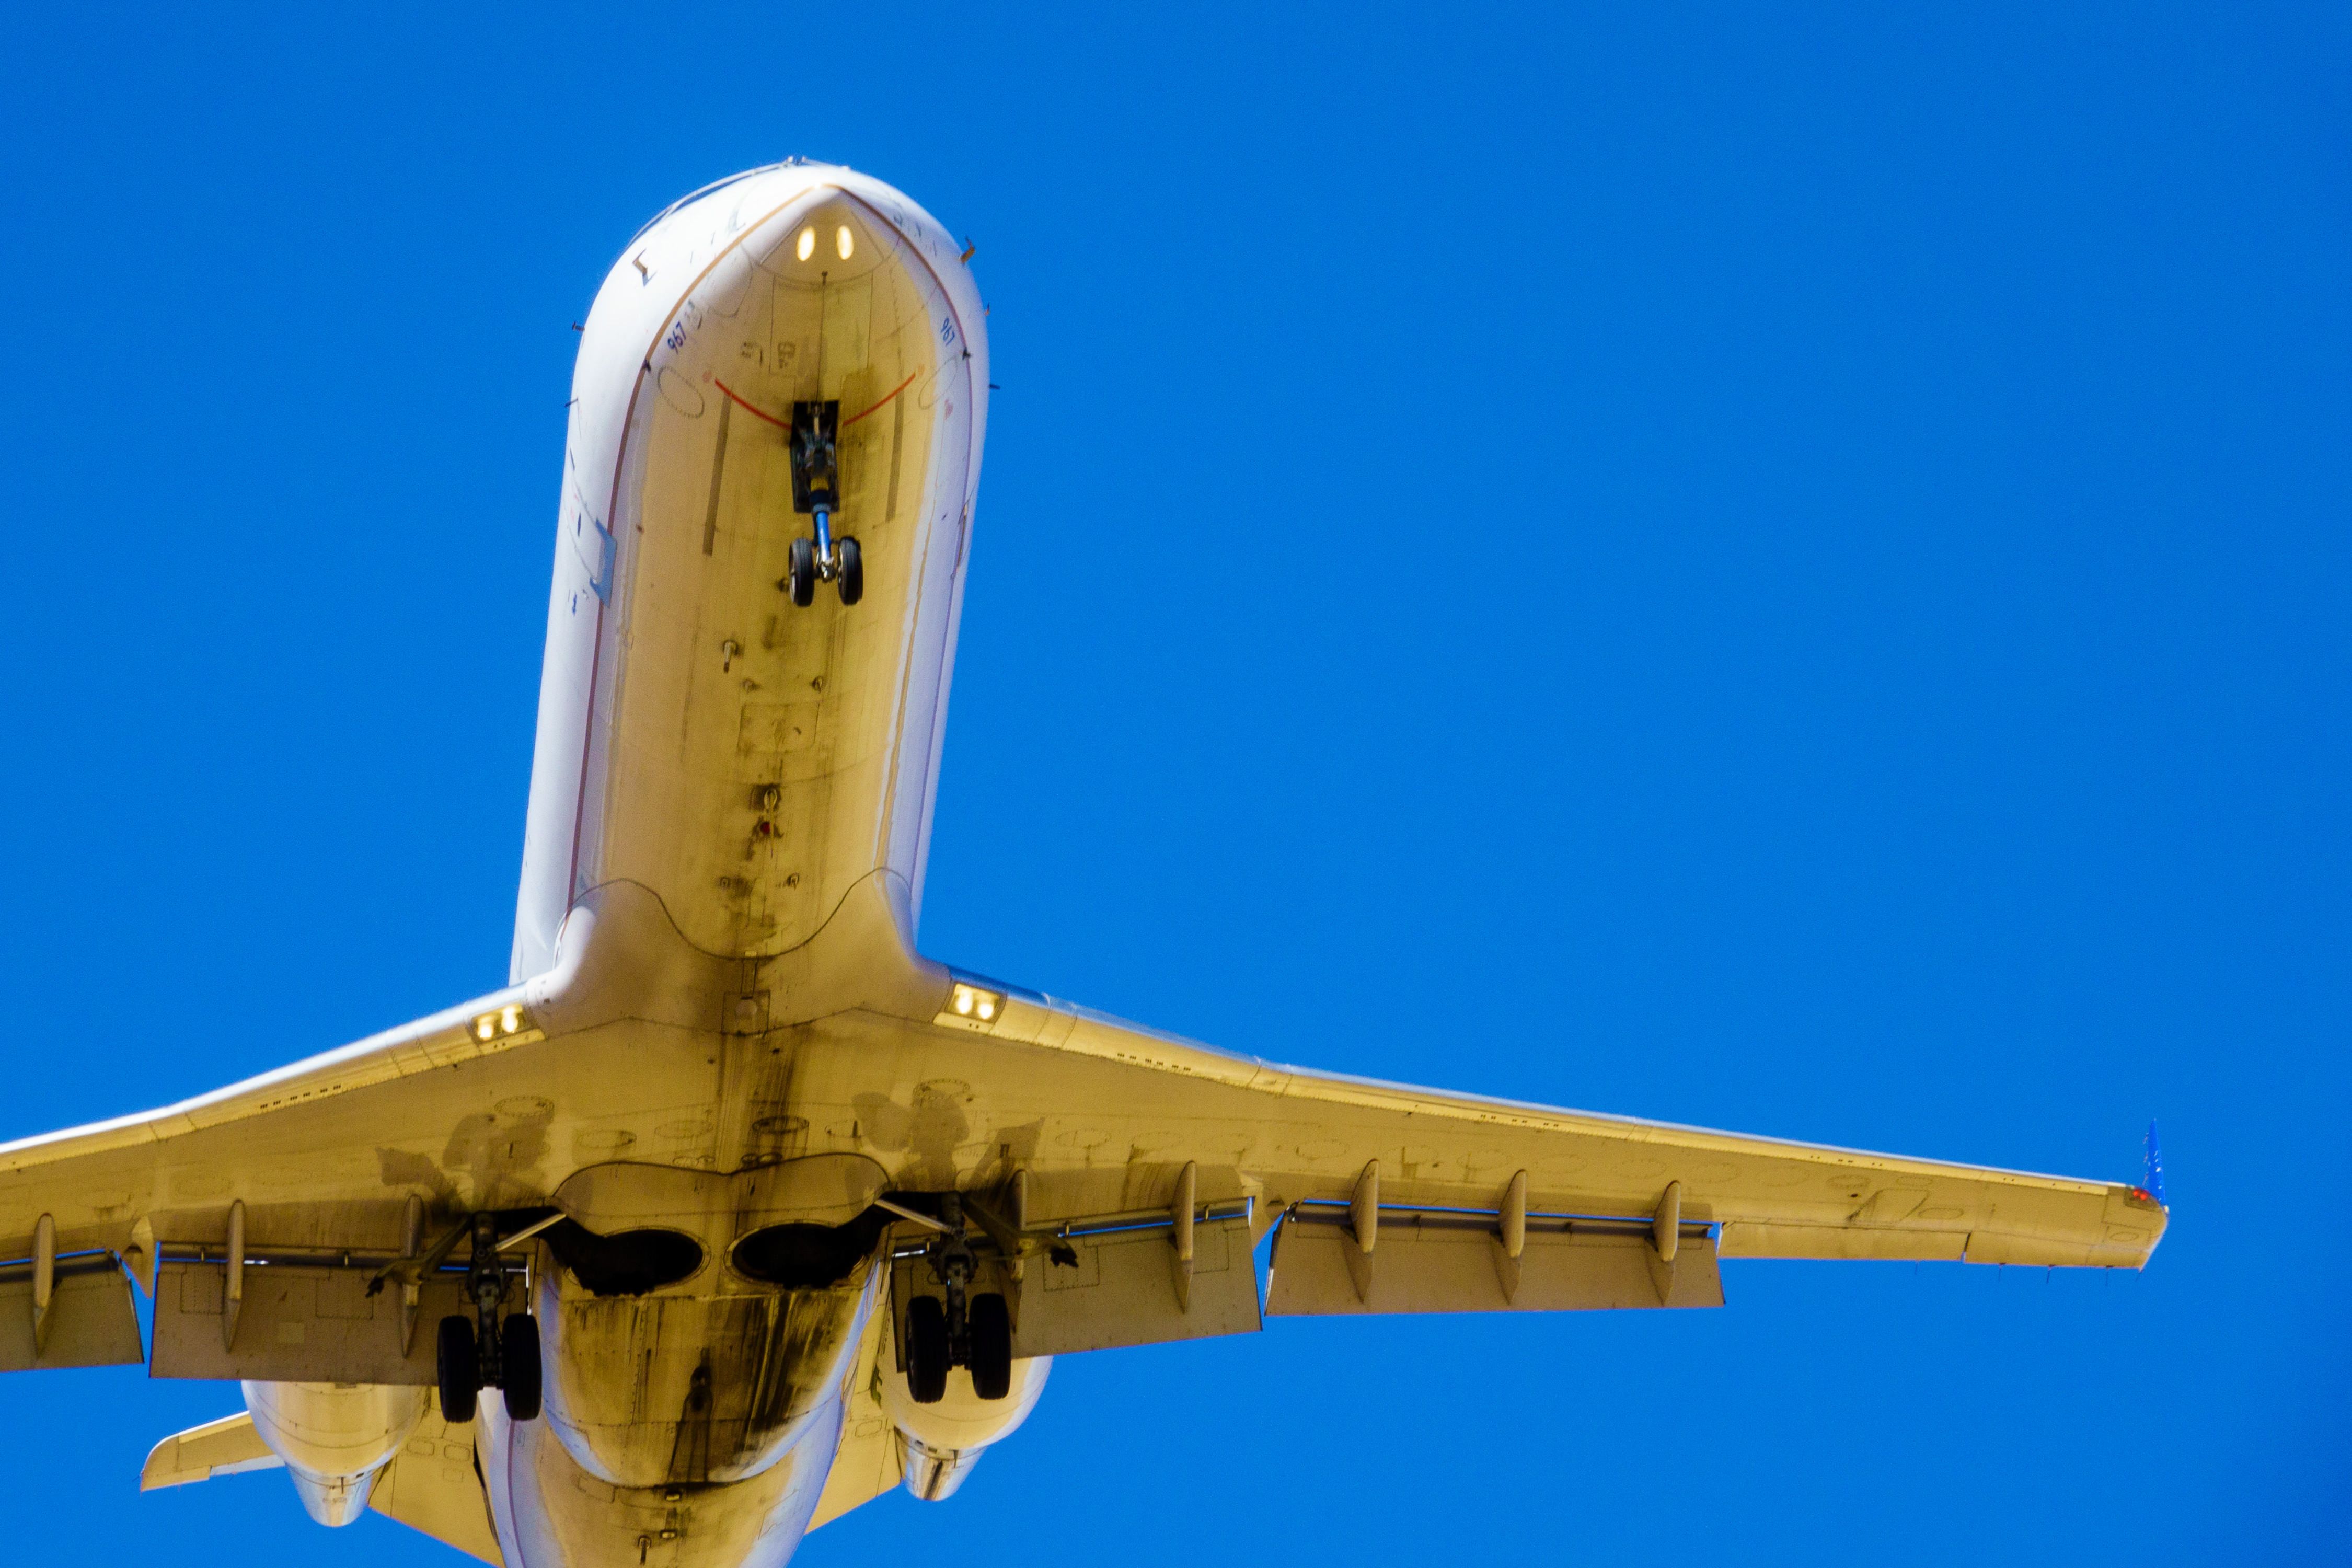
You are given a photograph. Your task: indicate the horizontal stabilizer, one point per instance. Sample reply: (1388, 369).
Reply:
(228, 1446)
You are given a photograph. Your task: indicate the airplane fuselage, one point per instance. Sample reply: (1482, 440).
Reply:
(696, 731)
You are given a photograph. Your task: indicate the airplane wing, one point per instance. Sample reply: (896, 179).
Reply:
(1393, 1198)
(487, 1105)
(331, 1169)
(322, 1152)
(1092, 1134)
(1771, 1197)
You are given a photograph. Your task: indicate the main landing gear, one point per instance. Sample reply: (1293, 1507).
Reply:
(488, 1351)
(816, 489)
(964, 1330)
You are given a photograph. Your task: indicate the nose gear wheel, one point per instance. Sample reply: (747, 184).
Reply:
(815, 450)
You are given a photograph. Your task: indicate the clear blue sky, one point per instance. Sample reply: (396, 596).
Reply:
(1775, 571)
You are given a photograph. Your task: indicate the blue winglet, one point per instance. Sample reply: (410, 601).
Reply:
(2153, 1182)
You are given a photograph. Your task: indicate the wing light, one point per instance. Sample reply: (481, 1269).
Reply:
(977, 1007)
(844, 242)
(807, 247)
(508, 1020)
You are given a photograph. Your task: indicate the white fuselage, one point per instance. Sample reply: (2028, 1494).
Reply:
(746, 761)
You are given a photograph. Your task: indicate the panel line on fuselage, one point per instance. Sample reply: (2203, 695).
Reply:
(717, 477)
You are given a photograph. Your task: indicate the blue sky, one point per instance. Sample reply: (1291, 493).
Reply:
(1774, 570)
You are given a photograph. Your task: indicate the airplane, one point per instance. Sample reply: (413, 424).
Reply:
(730, 1211)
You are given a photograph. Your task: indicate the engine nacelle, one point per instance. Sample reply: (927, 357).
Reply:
(942, 1443)
(335, 1437)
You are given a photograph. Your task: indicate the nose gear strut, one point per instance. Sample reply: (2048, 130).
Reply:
(815, 446)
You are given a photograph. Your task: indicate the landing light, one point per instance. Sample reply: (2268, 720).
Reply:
(971, 1002)
(510, 1019)
(807, 247)
(844, 242)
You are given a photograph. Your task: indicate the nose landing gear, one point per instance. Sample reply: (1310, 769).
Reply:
(816, 489)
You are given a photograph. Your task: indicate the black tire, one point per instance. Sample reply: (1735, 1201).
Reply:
(927, 1348)
(991, 1347)
(459, 1367)
(853, 572)
(800, 577)
(518, 1365)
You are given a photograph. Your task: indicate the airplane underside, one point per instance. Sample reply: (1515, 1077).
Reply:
(730, 1211)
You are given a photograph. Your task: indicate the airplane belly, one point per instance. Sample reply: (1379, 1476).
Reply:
(691, 1388)
(747, 760)
(549, 1512)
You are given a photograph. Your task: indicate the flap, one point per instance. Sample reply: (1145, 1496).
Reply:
(300, 1324)
(1129, 1287)
(1457, 1263)
(1124, 1292)
(92, 1321)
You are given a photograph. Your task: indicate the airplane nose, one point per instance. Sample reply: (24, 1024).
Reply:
(837, 239)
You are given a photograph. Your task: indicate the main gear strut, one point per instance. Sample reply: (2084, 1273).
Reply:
(492, 1348)
(957, 1327)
